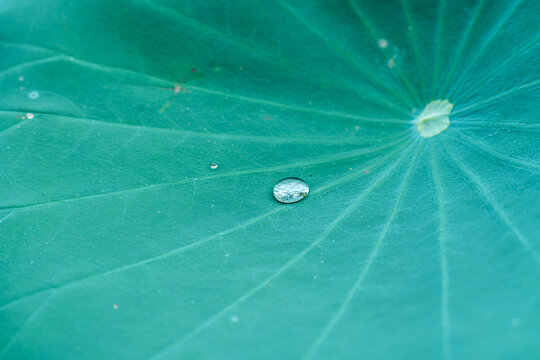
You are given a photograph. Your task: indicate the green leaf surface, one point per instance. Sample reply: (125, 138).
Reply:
(118, 241)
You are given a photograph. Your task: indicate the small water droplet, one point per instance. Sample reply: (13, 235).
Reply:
(115, 306)
(235, 319)
(290, 190)
(33, 95)
(383, 43)
(20, 78)
(30, 116)
(213, 166)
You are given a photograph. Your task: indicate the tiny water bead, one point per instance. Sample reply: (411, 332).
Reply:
(434, 118)
(33, 95)
(290, 190)
(213, 166)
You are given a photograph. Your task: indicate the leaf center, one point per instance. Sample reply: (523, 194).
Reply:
(434, 118)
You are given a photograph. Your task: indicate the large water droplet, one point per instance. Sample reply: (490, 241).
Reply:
(290, 190)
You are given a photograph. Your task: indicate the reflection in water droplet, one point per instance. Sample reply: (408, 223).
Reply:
(33, 95)
(213, 166)
(30, 116)
(290, 190)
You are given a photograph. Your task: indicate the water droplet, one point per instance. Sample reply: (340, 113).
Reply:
(235, 319)
(383, 43)
(213, 166)
(290, 190)
(30, 116)
(33, 95)
(115, 306)
(20, 78)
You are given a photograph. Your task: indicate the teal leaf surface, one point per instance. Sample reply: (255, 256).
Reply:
(118, 240)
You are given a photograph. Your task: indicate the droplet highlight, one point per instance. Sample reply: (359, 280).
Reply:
(290, 190)
(213, 166)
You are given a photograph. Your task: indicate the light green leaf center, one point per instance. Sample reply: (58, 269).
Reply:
(434, 119)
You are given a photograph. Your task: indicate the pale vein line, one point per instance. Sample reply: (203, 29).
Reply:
(359, 13)
(267, 56)
(346, 56)
(438, 40)
(445, 318)
(317, 161)
(415, 45)
(371, 258)
(498, 209)
(497, 97)
(482, 146)
(457, 57)
(191, 133)
(30, 64)
(10, 128)
(31, 318)
(374, 163)
(498, 69)
(348, 210)
(484, 124)
(8, 215)
(165, 255)
(483, 46)
(227, 95)
(296, 108)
